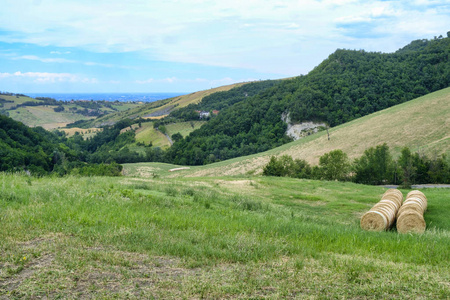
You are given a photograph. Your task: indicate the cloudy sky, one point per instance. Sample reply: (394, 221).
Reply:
(190, 45)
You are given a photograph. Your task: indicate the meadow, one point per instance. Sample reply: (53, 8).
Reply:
(212, 237)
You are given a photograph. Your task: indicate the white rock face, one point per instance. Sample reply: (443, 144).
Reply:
(297, 131)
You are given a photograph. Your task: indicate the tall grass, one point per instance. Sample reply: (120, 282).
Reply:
(205, 223)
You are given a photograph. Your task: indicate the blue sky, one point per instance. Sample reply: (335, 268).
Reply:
(186, 46)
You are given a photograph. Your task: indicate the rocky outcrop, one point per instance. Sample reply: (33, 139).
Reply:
(299, 130)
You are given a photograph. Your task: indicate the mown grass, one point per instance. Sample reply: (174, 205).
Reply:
(184, 128)
(147, 134)
(245, 237)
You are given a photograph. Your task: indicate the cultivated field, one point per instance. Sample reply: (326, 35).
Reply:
(240, 237)
(147, 134)
(45, 116)
(184, 128)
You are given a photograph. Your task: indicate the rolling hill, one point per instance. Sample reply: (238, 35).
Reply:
(52, 114)
(422, 124)
(160, 108)
(345, 86)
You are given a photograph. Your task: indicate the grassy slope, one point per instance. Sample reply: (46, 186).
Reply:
(212, 238)
(162, 105)
(423, 124)
(147, 134)
(46, 117)
(184, 128)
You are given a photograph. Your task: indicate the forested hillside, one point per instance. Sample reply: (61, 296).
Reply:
(41, 152)
(347, 85)
(224, 99)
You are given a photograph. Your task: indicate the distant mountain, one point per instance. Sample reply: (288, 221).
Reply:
(347, 85)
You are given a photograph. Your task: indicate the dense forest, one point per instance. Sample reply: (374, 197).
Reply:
(222, 100)
(347, 85)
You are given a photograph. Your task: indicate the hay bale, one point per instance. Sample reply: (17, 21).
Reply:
(409, 206)
(382, 215)
(374, 221)
(410, 215)
(411, 221)
(394, 195)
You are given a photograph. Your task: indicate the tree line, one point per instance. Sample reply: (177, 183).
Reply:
(375, 167)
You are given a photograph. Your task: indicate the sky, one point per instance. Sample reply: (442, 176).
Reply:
(151, 46)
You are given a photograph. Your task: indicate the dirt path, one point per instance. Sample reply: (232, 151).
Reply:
(421, 186)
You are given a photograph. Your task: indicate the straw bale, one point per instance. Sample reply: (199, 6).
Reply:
(382, 215)
(416, 201)
(374, 221)
(411, 221)
(416, 192)
(409, 207)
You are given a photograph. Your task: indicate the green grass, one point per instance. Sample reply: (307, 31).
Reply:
(184, 128)
(243, 237)
(148, 134)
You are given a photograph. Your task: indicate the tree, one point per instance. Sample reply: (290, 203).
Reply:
(407, 168)
(334, 165)
(177, 137)
(374, 166)
(163, 129)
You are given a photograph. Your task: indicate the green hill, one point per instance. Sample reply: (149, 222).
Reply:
(50, 114)
(422, 124)
(347, 85)
(158, 109)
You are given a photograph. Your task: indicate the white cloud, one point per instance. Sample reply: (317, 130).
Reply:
(59, 52)
(203, 81)
(63, 60)
(283, 36)
(45, 77)
(45, 60)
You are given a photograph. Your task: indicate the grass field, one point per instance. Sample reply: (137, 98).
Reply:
(85, 132)
(46, 117)
(184, 128)
(147, 134)
(223, 237)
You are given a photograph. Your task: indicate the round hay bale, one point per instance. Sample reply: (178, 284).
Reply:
(416, 201)
(409, 207)
(394, 195)
(411, 221)
(374, 221)
(382, 215)
(416, 192)
(390, 203)
(388, 214)
(394, 192)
